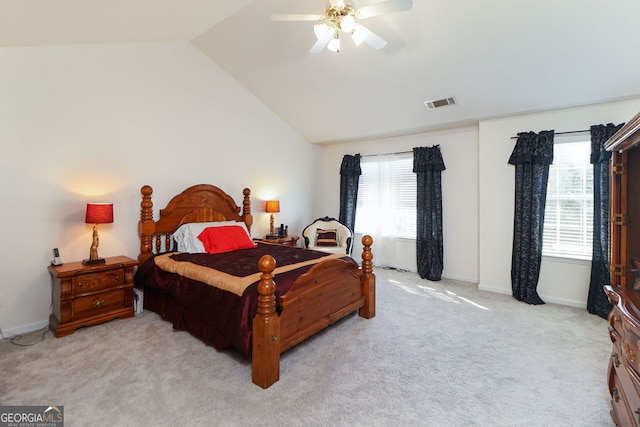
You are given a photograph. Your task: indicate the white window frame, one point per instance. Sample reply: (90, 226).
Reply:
(566, 235)
(387, 196)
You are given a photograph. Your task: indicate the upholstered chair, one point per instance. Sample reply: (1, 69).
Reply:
(328, 235)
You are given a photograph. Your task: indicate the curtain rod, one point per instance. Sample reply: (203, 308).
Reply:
(386, 154)
(564, 133)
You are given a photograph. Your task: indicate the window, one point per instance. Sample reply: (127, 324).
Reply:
(568, 217)
(387, 196)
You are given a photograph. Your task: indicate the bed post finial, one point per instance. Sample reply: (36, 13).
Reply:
(246, 208)
(368, 279)
(265, 358)
(146, 225)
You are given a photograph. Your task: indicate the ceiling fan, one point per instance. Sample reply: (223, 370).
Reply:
(341, 17)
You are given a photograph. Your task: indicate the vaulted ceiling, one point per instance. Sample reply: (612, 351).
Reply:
(495, 57)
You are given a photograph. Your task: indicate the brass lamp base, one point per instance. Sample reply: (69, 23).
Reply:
(93, 261)
(272, 229)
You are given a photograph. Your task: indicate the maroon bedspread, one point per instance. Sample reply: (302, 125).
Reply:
(244, 262)
(219, 318)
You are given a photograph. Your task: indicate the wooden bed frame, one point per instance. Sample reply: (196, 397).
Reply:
(328, 292)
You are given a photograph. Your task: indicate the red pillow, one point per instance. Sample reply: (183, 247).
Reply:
(217, 240)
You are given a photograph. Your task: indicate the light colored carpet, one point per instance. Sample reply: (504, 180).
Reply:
(437, 354)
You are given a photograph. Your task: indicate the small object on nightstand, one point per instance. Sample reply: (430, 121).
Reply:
(88, 295)
(56, 257)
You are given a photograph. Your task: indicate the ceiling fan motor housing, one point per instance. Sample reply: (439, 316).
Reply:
(342, 17)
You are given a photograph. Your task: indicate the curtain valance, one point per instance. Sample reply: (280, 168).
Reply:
(533, 148)
(350, 165)
(427, 159)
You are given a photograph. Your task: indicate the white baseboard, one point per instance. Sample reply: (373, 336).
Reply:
(24, 329)
(473, 280)
(494, 290)
(545, 298)
(562, 301)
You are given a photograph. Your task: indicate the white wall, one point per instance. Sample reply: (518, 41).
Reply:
(478, 196)
(565, 282)
(459, 149)
(76, 121)
(75, 124)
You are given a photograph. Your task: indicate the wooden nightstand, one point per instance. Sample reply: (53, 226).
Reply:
(284, 241)
(88, 295)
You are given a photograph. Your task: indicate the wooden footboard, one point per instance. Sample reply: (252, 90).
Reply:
(326, 293)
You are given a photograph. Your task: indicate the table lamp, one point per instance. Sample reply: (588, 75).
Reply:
(97, 213)
(273, 206)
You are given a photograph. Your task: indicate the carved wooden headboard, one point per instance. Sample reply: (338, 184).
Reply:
(199, 203)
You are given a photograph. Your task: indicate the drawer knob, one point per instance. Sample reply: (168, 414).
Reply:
(616, 360)
(80, 284)
(117, 277)
(99, 303)
(615, 394)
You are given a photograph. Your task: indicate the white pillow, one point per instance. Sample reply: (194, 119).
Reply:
(186, 236)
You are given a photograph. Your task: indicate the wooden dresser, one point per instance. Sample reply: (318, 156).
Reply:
(88, 295)
(624, 292)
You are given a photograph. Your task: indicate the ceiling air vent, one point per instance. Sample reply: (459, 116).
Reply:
(437, 103)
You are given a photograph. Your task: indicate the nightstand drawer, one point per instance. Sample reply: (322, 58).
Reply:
(95, 281)
(95, 304)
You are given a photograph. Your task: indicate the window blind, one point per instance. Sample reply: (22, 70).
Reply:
(387, 195)
(568, 221)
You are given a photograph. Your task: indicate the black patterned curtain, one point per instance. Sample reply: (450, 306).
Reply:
(349, 177)
(531, 156)
(428, 165)
(597, 301)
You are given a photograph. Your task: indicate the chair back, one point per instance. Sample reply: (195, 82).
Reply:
(344, 236)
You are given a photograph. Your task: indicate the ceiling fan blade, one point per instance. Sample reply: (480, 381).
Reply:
(363, 34)
(296, 17)
(388, 6)
(322, 42)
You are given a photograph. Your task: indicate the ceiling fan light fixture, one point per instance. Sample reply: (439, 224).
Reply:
(348, 23)
(334, 44)
(321, 30)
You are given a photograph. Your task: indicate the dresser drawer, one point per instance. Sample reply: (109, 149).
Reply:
(628, 380)
(615, 320)
(90, 282)
(621, 413)
(92, 305)
(630, 345)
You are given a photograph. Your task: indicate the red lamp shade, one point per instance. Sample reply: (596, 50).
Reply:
(273, 206)
(99, 213)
